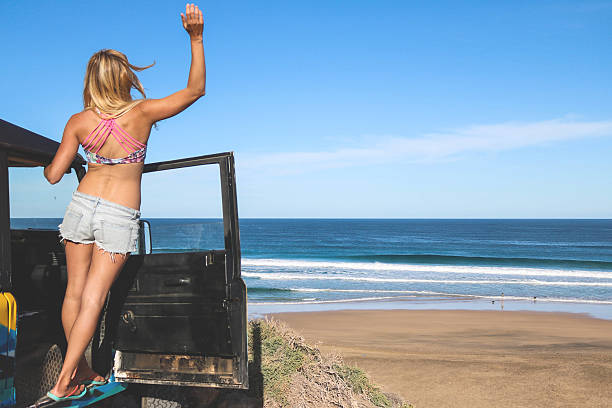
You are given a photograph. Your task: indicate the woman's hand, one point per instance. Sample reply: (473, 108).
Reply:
(193, 21)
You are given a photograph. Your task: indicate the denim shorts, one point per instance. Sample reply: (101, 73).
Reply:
(113, 227)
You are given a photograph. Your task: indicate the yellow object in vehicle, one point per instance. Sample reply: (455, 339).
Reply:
(8, 311)
(8, 342)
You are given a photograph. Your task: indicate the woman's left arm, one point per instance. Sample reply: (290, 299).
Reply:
(65, 153)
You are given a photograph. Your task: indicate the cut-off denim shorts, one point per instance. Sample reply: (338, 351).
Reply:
(113, 227)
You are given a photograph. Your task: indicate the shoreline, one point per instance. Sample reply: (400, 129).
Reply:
(475, 358)
(447, 303)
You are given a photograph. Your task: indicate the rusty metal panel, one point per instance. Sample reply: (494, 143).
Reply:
(173, 369)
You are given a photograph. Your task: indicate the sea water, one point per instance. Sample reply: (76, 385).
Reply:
(324, 263)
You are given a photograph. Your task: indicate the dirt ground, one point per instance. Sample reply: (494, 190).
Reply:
(437, 358)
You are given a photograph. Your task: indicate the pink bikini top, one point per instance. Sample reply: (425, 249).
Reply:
(96, 139)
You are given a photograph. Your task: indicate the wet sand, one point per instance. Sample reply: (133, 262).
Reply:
(459, 358)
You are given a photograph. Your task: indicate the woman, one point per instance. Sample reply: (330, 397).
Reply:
(105, 210)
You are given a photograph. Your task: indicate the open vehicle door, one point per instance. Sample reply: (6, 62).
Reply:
(181, 318)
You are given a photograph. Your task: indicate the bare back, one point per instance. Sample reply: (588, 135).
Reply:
(119, 183)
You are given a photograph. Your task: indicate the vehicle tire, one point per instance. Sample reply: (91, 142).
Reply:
(163, 396)
(37, 372)
(125, 399)
(51, 368)
(151, 396)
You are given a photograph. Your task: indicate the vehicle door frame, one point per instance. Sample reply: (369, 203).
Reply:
(231, 231)
(235, 301)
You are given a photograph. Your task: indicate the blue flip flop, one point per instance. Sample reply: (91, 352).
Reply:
(69, 396)
(90, 381)
(93, 382)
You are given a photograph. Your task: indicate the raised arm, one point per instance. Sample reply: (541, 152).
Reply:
(159, 109)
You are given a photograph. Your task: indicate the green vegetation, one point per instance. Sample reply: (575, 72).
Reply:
(294, 373)
(361, 384)
(279, 361)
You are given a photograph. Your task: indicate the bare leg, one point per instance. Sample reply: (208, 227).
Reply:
(102, 273)
(78, 261)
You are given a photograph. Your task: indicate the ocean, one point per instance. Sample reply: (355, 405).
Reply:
(563, 265)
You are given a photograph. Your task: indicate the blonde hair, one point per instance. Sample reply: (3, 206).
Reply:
(109, 80)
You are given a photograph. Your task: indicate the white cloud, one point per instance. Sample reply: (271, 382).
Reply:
(437, 146)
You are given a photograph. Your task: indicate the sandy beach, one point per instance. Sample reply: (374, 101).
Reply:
(459, 358)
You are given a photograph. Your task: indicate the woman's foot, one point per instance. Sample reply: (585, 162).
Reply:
(88, 375)
(70, 391)
(85, 373)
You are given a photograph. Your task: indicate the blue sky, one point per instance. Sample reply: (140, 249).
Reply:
(445, 109)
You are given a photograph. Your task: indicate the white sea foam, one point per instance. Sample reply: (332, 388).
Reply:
(330, 301)
(432, 293)
(456, 269)
(530, 282)
(420, 294)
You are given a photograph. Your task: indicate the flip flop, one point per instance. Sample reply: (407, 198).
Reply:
(90, 381)
(69, 396)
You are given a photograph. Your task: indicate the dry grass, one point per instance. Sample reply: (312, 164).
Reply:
(296, 374)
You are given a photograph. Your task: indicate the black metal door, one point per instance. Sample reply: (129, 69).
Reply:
(180, 318)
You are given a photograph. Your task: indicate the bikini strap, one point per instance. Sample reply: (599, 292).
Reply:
(107, 127)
